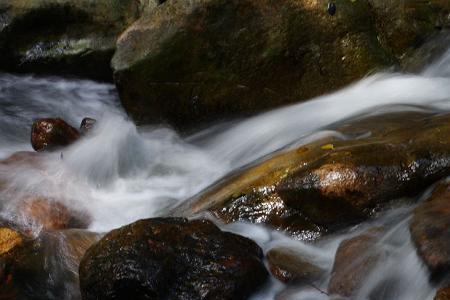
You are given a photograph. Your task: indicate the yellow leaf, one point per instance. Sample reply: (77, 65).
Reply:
(328, 147)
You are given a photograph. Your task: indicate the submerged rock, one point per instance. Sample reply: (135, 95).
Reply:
(430, 231)
(290, 266)
(63, 37)
(354, 261)
(171, 259)
(187, 62)
(48, 134)
(49, 214)
(327, 184)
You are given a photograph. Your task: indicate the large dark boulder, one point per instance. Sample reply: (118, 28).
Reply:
(331, 183)
(430, 231)
(191, 61)
(171, 259)
(63, 37)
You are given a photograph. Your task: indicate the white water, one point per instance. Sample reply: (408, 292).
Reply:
(118, 173)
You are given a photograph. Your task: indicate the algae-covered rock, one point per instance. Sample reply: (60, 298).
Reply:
(63, 36)
(192, 61)
(331, 183)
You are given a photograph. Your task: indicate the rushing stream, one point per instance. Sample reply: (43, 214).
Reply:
(120, 173)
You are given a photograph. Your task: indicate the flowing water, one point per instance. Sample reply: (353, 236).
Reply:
(119, 173)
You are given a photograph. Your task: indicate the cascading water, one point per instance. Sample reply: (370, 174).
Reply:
(119, 173)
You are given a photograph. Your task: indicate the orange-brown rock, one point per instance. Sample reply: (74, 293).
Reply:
(443, 294)
(331, 183)
(49, 134)
(289, 266)
(50, 214)
(355, 259)
(430, 231)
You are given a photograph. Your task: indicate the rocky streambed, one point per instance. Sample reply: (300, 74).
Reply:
(342, 194)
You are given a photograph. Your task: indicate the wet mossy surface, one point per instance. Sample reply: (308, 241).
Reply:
(191, 62)
(74, 38)
(331, 183)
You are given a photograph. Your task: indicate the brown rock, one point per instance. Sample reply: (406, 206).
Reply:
(289, 266)
(48, 134)
(355, 259)
(220, 58)
(171, 258)
(430, 231)
(329, 184)
(443, 294)
(43, 267)
(22, 157)
(50, 214)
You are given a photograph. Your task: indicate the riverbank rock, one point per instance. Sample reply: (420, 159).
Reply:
(331, 183)
(49, 134)
(63, 37)
(171, 258)
(188, 62)
(430, 231)
(290, 266)
(354, 261)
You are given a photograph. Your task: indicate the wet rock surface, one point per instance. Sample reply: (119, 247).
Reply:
(171, 258)
(430, 231)
(224, 58)
(43, 267)
(290, 266)
(50, 134)
(325, 185)
(443, 294)
(354, 261)
(50, 214)
(63, 37)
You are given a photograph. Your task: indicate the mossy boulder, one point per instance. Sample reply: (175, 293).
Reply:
(171, 258)
(63, 36)
(187, 62)
(331, 183)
